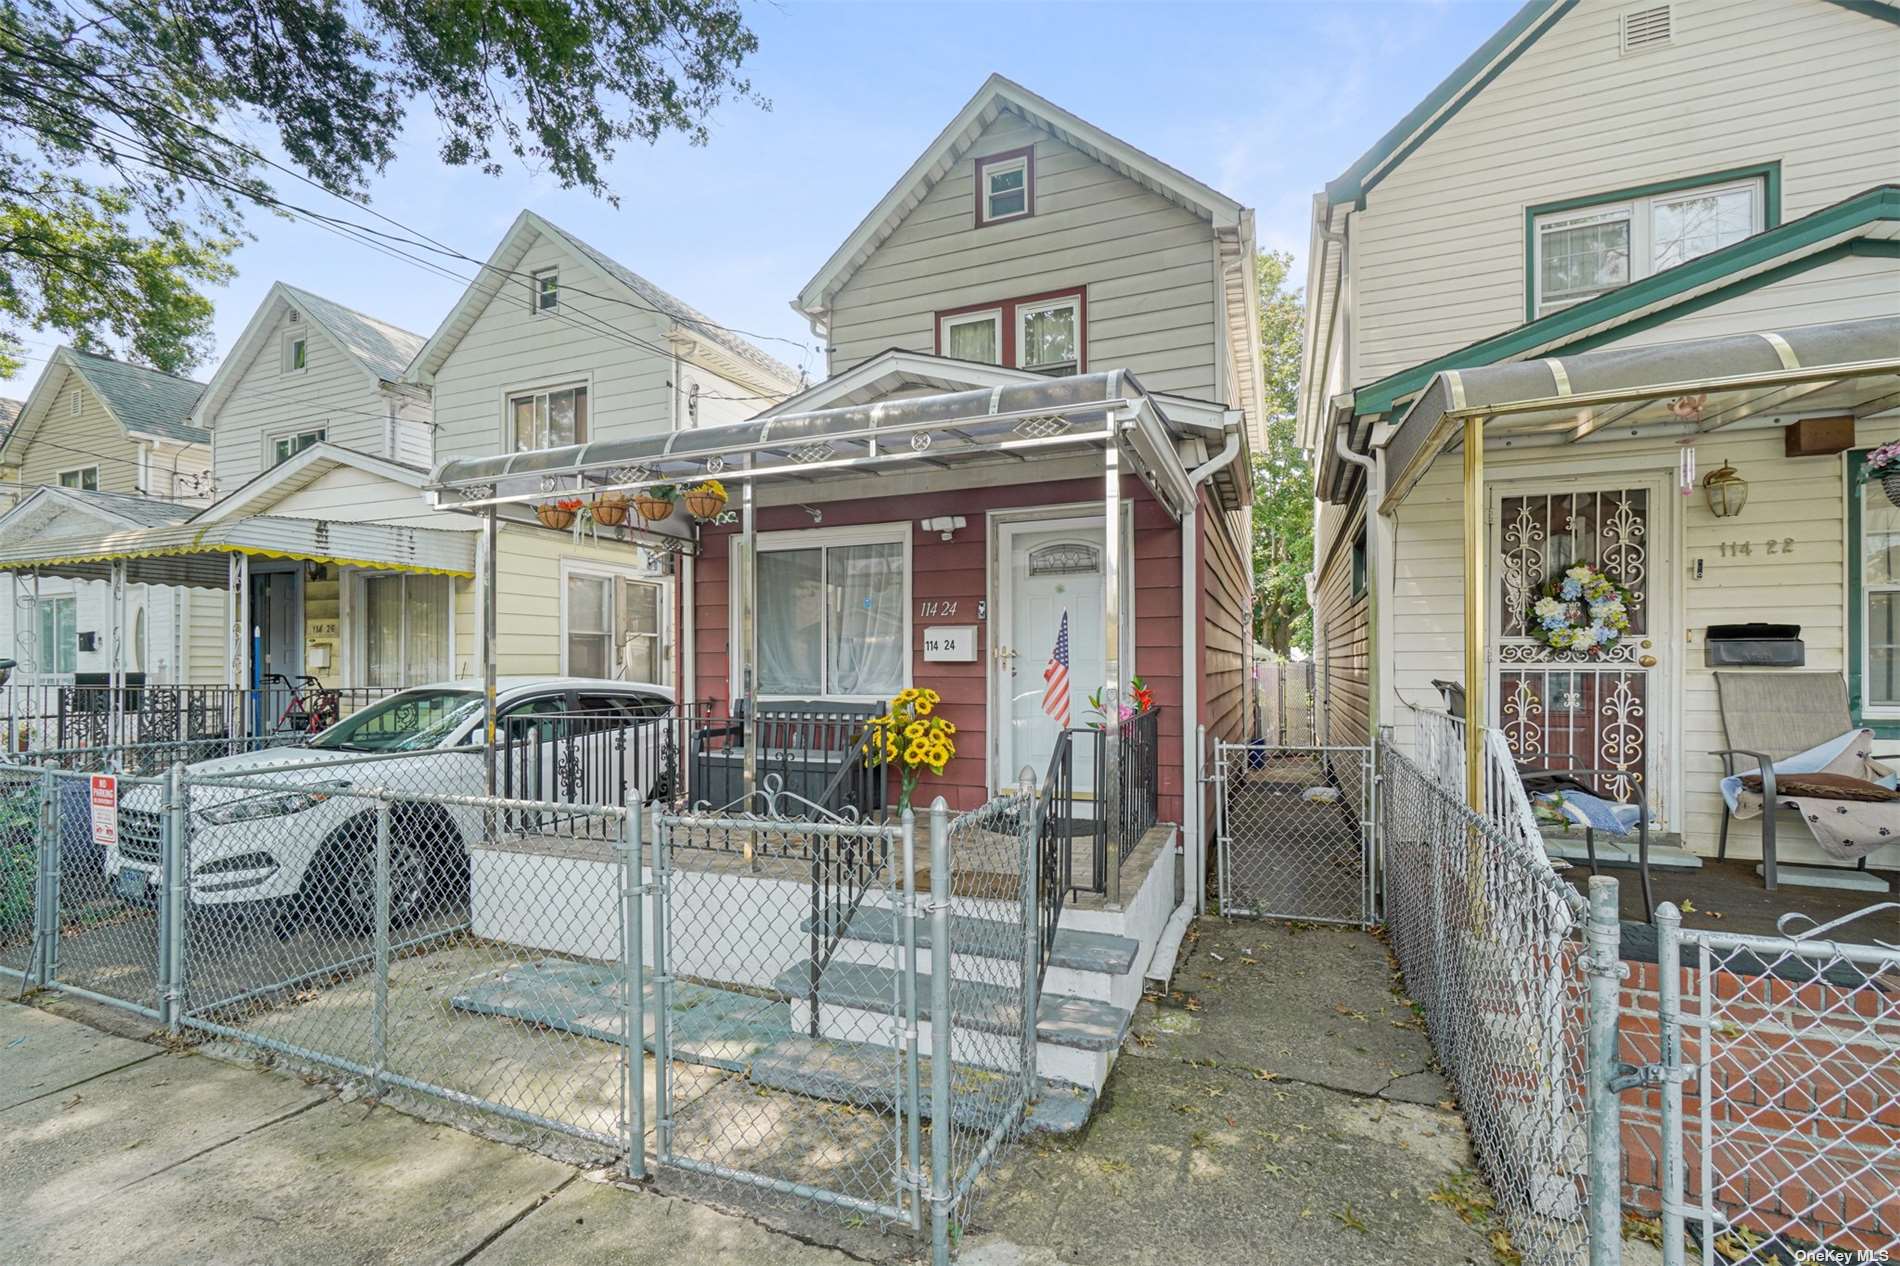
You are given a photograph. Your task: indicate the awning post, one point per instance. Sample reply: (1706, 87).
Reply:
(490, 538)
(747, 643)
(1475, 543)
(1111, 790)
(238, 672)
(116, 712)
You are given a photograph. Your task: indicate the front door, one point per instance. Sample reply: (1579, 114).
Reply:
(276, 642)
(1565, 708)
(1053, 570)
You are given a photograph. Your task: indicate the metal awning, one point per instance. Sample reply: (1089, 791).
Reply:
(1681, 389)
(1005, 424)
(198, 554)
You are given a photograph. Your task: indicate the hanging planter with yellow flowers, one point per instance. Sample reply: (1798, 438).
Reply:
(706, 501)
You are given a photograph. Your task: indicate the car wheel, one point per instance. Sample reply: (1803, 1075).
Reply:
(344, 879)
(443, 873)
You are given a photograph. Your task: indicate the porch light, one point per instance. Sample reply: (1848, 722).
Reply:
(1726, 490)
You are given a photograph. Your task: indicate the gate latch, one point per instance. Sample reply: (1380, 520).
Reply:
(1637, 1076)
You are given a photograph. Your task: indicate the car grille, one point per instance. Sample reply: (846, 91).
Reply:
(141, 835)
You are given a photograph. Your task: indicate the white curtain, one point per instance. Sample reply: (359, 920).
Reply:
(405, 630)
(427, 607)
(791, 618)
(865, 639)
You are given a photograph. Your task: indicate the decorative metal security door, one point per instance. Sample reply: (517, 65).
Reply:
(1568, 708)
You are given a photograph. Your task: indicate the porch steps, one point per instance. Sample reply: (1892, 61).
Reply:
(1077, 1039)
(860, 1073)
(1096, 965)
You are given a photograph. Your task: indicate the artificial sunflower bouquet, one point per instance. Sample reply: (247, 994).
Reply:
(912, 738)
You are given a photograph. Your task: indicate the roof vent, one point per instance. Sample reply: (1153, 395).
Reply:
(1646, 28)
(293, 316)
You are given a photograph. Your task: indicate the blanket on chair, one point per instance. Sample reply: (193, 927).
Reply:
(1847, 829)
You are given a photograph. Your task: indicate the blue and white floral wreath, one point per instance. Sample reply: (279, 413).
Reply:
(1582, 610)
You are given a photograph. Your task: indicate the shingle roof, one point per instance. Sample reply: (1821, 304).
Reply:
(143, 400)
(9, 410)
(143, 511)
(682, 311)
(384, 348)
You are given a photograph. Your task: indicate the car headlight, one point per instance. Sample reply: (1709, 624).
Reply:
(272, 804)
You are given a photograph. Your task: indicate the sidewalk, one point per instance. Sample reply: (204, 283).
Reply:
(1277, 1108)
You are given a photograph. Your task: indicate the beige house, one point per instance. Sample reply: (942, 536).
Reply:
(1545, 308)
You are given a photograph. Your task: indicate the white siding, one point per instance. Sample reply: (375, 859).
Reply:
(1840, 290)
(1148, 265)
(1438, 253)
(63, 441)
(332, 391)
(178, 471)
(509, 347)
(347, 494)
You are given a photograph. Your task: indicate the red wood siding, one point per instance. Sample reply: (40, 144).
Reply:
(957, 569)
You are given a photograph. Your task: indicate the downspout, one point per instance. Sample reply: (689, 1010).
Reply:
(1343, 449)
(1195, 846)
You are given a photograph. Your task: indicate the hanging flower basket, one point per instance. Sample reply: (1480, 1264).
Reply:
(610, 509)
(558, 515)
(656, 503)
(706, 501)
(1883, 464)
(1582, 610)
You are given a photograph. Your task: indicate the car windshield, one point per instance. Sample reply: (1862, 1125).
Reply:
(408, 722)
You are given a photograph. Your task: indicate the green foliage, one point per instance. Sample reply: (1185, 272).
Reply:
(122, 188)
(1282, 475)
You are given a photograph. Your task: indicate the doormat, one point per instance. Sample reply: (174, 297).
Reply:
(721, 1028)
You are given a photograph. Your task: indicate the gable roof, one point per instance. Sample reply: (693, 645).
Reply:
(259, 493)
(995, 96)
(142, 401)
(1471, 77)
(110, 509)
(9, 410)
(1866, 224)
(739, 355)
(380, 350)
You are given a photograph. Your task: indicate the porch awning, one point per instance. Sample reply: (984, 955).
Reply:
(197, 553)
(1002, 423)
(1681, 389)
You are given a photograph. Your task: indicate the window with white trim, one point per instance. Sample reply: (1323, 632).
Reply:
(58, 648)
(405, 629)
(832, 612)
(548, 419)
(973, 336)
(1049, 335)
(1003, 185)
(1585, 251)
(613, 625)
(285, 447)
(296, 354)
(82, 478)
(544, 290)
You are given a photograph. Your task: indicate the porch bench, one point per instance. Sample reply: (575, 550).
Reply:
(805, 745)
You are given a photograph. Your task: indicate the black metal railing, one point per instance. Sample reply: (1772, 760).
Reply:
(88, 714)
(1140, 737)
(1089, 830)
(1055, 844)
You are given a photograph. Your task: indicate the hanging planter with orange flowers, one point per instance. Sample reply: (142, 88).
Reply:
(706, 501)
(558, 515)
(655, 503)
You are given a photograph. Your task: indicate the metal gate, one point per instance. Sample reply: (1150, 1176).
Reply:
(1295, 831)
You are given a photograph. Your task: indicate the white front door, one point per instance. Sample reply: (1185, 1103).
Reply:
(1053, 568)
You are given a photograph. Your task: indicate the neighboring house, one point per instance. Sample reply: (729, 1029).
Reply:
(553, 344)
(1595, 206)
(99, 446)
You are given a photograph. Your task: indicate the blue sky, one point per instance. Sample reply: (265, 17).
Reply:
(1264, 101)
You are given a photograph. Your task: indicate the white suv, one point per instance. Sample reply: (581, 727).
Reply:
(310, 850)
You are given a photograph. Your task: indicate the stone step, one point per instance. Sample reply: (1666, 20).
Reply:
(992, 938)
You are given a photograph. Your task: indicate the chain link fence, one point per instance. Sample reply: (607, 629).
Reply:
(1294, 832)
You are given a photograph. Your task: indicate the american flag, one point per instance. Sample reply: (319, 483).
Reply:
(1055, 677)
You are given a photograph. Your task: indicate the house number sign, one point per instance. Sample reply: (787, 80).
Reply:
(950, 644)
(1746, 549)
(937, 608)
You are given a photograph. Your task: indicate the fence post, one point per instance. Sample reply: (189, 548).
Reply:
(913, 1095)
(1220, 827)
(46, 914)
(1606, 1126)
(174, 864)
(633, 980)
(379, 1015)
(1031, 866)
(662, 888)
(941, 1025)
(1669, 1022)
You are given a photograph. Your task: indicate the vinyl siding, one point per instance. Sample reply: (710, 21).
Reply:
(1147, 264)
(510, 348)
(1438, 251)
(1840, 290)
(1226, 633)
(93, 438)
(332, 392)
(1342, 644)
(351, 495)
(163, 658)
(528, 599)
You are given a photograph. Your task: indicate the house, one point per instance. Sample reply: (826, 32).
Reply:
(1555, 312)
(100, 446)
(1026, 467)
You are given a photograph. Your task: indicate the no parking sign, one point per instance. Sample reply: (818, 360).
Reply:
(105, 810)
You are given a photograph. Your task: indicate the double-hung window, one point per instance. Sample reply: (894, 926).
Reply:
(405, 629)
(1049, 335)
(1040, 332)
(544, 290)
(1005, 186)
(973, 336)
(612, 625)
(285, 447)
(83, 478)
(832, 613)
(58, 649)
(1580, 252)
(296, 354)
(548, 419)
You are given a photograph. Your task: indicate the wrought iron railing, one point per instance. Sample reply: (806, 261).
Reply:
(92, 715)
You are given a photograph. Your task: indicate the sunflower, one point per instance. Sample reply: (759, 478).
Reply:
(922, 707)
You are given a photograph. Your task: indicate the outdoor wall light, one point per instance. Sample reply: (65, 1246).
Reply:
(1727, 491)
(944, 525)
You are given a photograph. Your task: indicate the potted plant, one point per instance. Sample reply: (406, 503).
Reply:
(655, 503)
(558, 515)
(610, 509)
(910, 737)
(704, 501)
(1884, 464)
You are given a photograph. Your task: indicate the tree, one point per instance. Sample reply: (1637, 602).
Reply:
(1282, 475)
(123, 186)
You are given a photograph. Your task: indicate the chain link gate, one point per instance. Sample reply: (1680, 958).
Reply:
(1295, 831)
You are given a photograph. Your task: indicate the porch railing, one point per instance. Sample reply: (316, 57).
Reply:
(84, 715)
(1086, 844)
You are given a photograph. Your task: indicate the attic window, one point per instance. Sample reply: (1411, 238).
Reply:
(546, 290)
(1646, 28)
(296, 354)
(1006, 186)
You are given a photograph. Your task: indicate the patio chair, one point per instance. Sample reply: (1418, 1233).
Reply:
(1769, 717)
